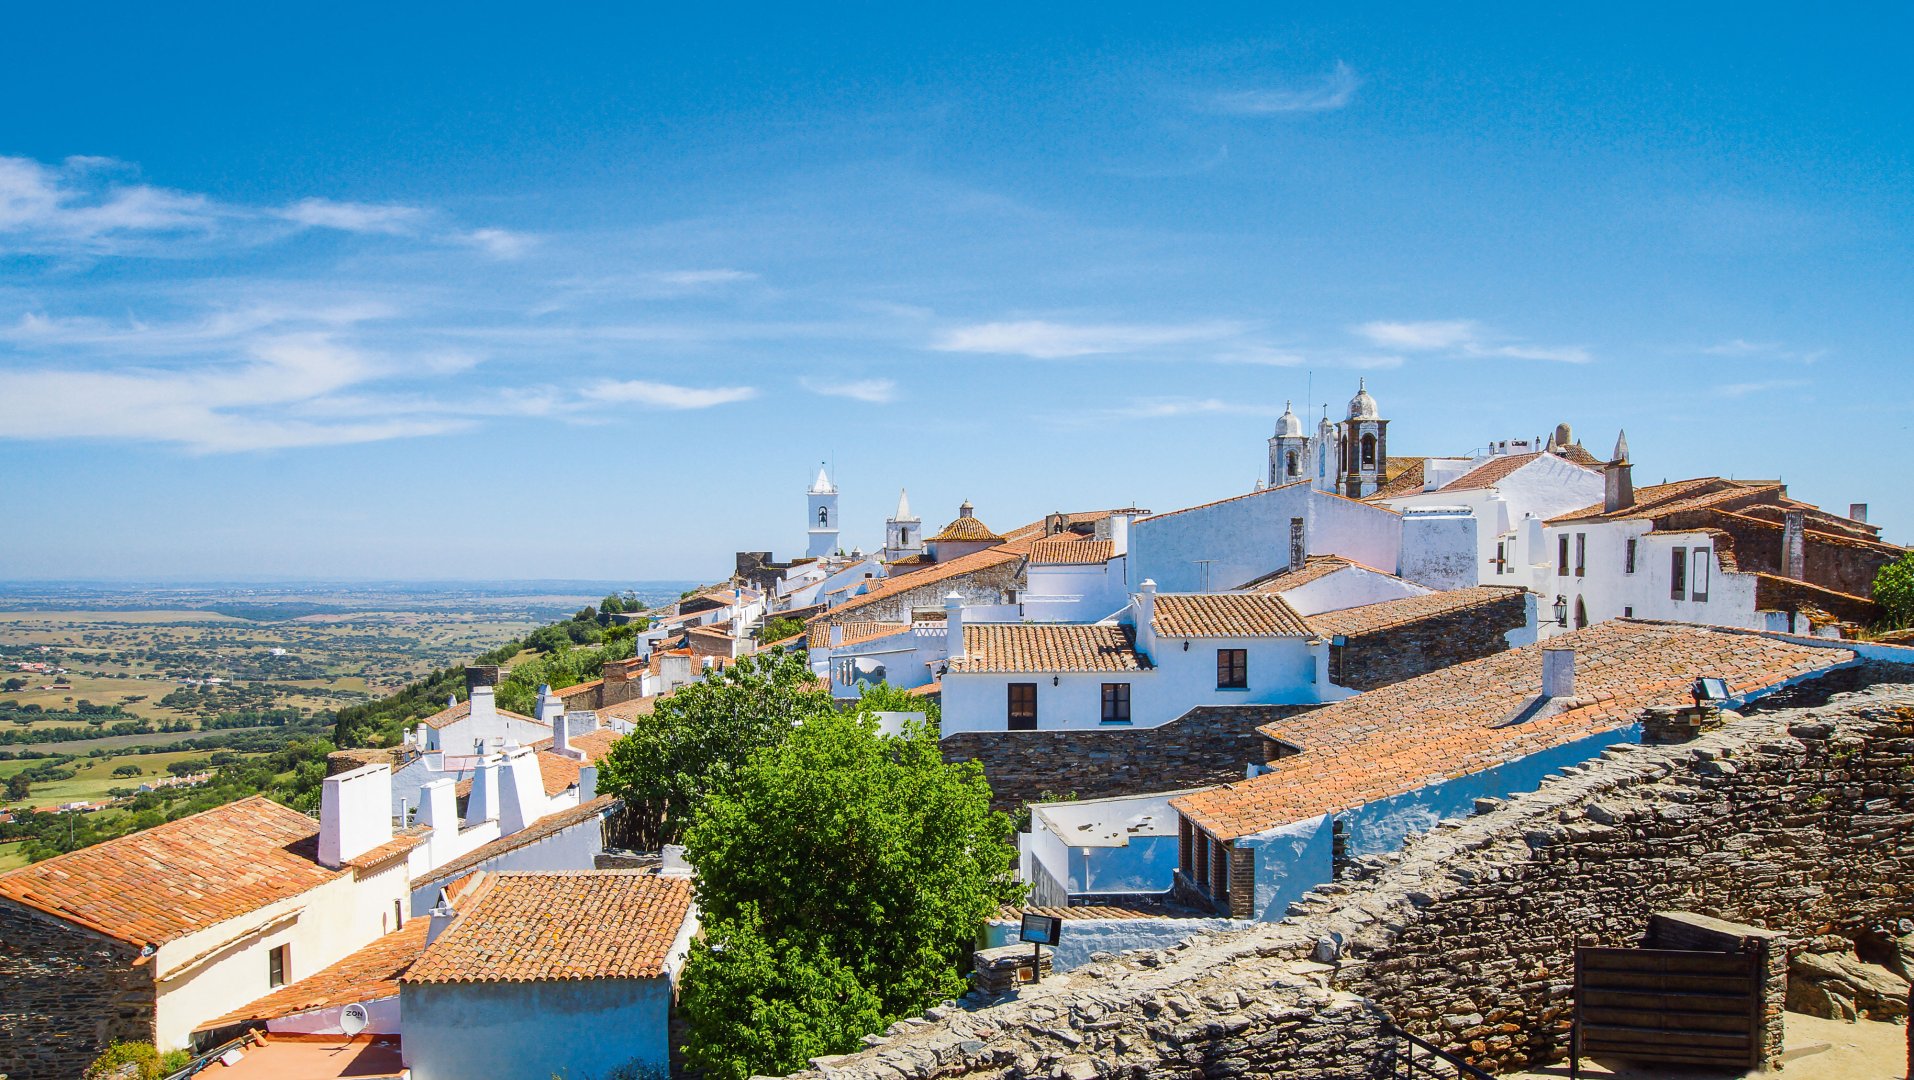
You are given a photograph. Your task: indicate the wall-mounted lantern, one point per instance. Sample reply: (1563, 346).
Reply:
(1561, 611)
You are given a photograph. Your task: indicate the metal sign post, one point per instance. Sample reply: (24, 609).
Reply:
(1040, 930)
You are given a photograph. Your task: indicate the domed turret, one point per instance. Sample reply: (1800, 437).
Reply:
(1288, 426)
(1362, 406)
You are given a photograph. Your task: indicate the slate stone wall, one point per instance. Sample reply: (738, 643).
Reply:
(1798, 820)
(1207, 745)
(1404, 652)
(64, 995)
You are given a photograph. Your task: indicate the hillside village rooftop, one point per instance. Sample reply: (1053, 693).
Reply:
(1478, 715)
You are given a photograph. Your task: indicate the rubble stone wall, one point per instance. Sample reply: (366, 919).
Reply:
(1440, 641)
(1207, 745)
(64, 995)
(1799, 820)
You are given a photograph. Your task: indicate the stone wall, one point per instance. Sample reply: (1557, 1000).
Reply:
(1799, 820)
(64, 995)
(1833, 561)
(1207, 745)
(1431, 644)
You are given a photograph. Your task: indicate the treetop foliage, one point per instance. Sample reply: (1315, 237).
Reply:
(1894, 590)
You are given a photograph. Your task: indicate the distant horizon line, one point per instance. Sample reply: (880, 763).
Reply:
(255, 582)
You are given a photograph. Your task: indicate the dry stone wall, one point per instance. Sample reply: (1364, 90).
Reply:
(1800, 820)
(1432, 644)
(64, 995)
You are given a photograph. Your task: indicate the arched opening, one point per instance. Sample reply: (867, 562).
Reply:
(1369, 451)
(1295, 465)
(1581, 613)
(823, 517)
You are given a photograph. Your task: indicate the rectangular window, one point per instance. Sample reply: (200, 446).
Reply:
(276, 965)
(1628, 558)
(398, 915)
(1501, 557)
(1581, 554)
(1232, 669)
(1628, 613)
(1698, 579)
(1116, 703)
(1678, 574)
(1561, 555)
(1023, 706)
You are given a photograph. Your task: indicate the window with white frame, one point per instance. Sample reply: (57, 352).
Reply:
(1698, 576)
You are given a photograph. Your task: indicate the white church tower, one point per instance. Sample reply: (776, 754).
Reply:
(1288, 450)
(903, 531)
(822, 504)
(1365, 445)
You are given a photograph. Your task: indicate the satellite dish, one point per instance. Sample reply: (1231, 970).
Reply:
(353, 1019)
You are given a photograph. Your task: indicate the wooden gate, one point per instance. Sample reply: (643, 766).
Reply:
(1666, 1006)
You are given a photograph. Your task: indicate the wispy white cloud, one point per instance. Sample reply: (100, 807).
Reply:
(1333, 91)
(1164, 408)
(1743, 389)
(872, 391)
(85, 204)
(1464, 337)
(1761, 350)
(354, 217)
(253, 404)
(499, 243)
(696, 278)
(1044, 340)
(659, 395)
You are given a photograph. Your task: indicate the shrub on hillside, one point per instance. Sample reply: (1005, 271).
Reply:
(1894, 590)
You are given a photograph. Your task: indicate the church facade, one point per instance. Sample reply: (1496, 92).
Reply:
(1348, 458)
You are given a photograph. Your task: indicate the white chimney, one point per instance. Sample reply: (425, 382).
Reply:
(549, 706)
(439, 811)
(355, 814)
(484, 704)
(1120, 533)
(441, 916)
(561, 735)
(1146, 620)
(482, 804)
(521, 791)
(587, 784)
(954, 626)
(1558, 673)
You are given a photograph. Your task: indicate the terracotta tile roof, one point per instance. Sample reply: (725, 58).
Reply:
(1035, 530)
(786, 642)
(1370, 618)
(549, 825)
(1401, 476)
(558, 772)
(929, 689)
(1048, 647)
(631, 708)
(560, 926)
(409, 838)
(966, 528)
(1204, 615)
(856, 633)
(174, 879)
(1457, 721)
(885, 588)
(1314, 568)
(576, 689)
(1059, 552)
(367, 975)
(1497, 469)
(1657, 500)
(1013, 913)
(463, 709)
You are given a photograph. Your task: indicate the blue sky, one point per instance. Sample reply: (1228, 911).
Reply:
(561, 293)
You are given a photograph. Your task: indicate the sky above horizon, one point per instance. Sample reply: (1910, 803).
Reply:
(380, 293)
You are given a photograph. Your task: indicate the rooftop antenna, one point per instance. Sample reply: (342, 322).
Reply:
(1309, 391)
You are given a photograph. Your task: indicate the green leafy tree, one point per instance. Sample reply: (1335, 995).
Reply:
(699, 736)
(843, 843)
(780, 628)
(883, 697)
(126, 770)
(1894, 590)
(141, 1056)
(19, 786)
(759, 1007)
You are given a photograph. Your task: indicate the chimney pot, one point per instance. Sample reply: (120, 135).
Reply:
(1857, 512)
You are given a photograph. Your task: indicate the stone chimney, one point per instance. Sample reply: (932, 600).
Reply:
(954, 626)
(1558, 673)
(1145, 604)
(355, 814)
(1794, 545)
(481, 675)
(1857, 512)
(1618, 477)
